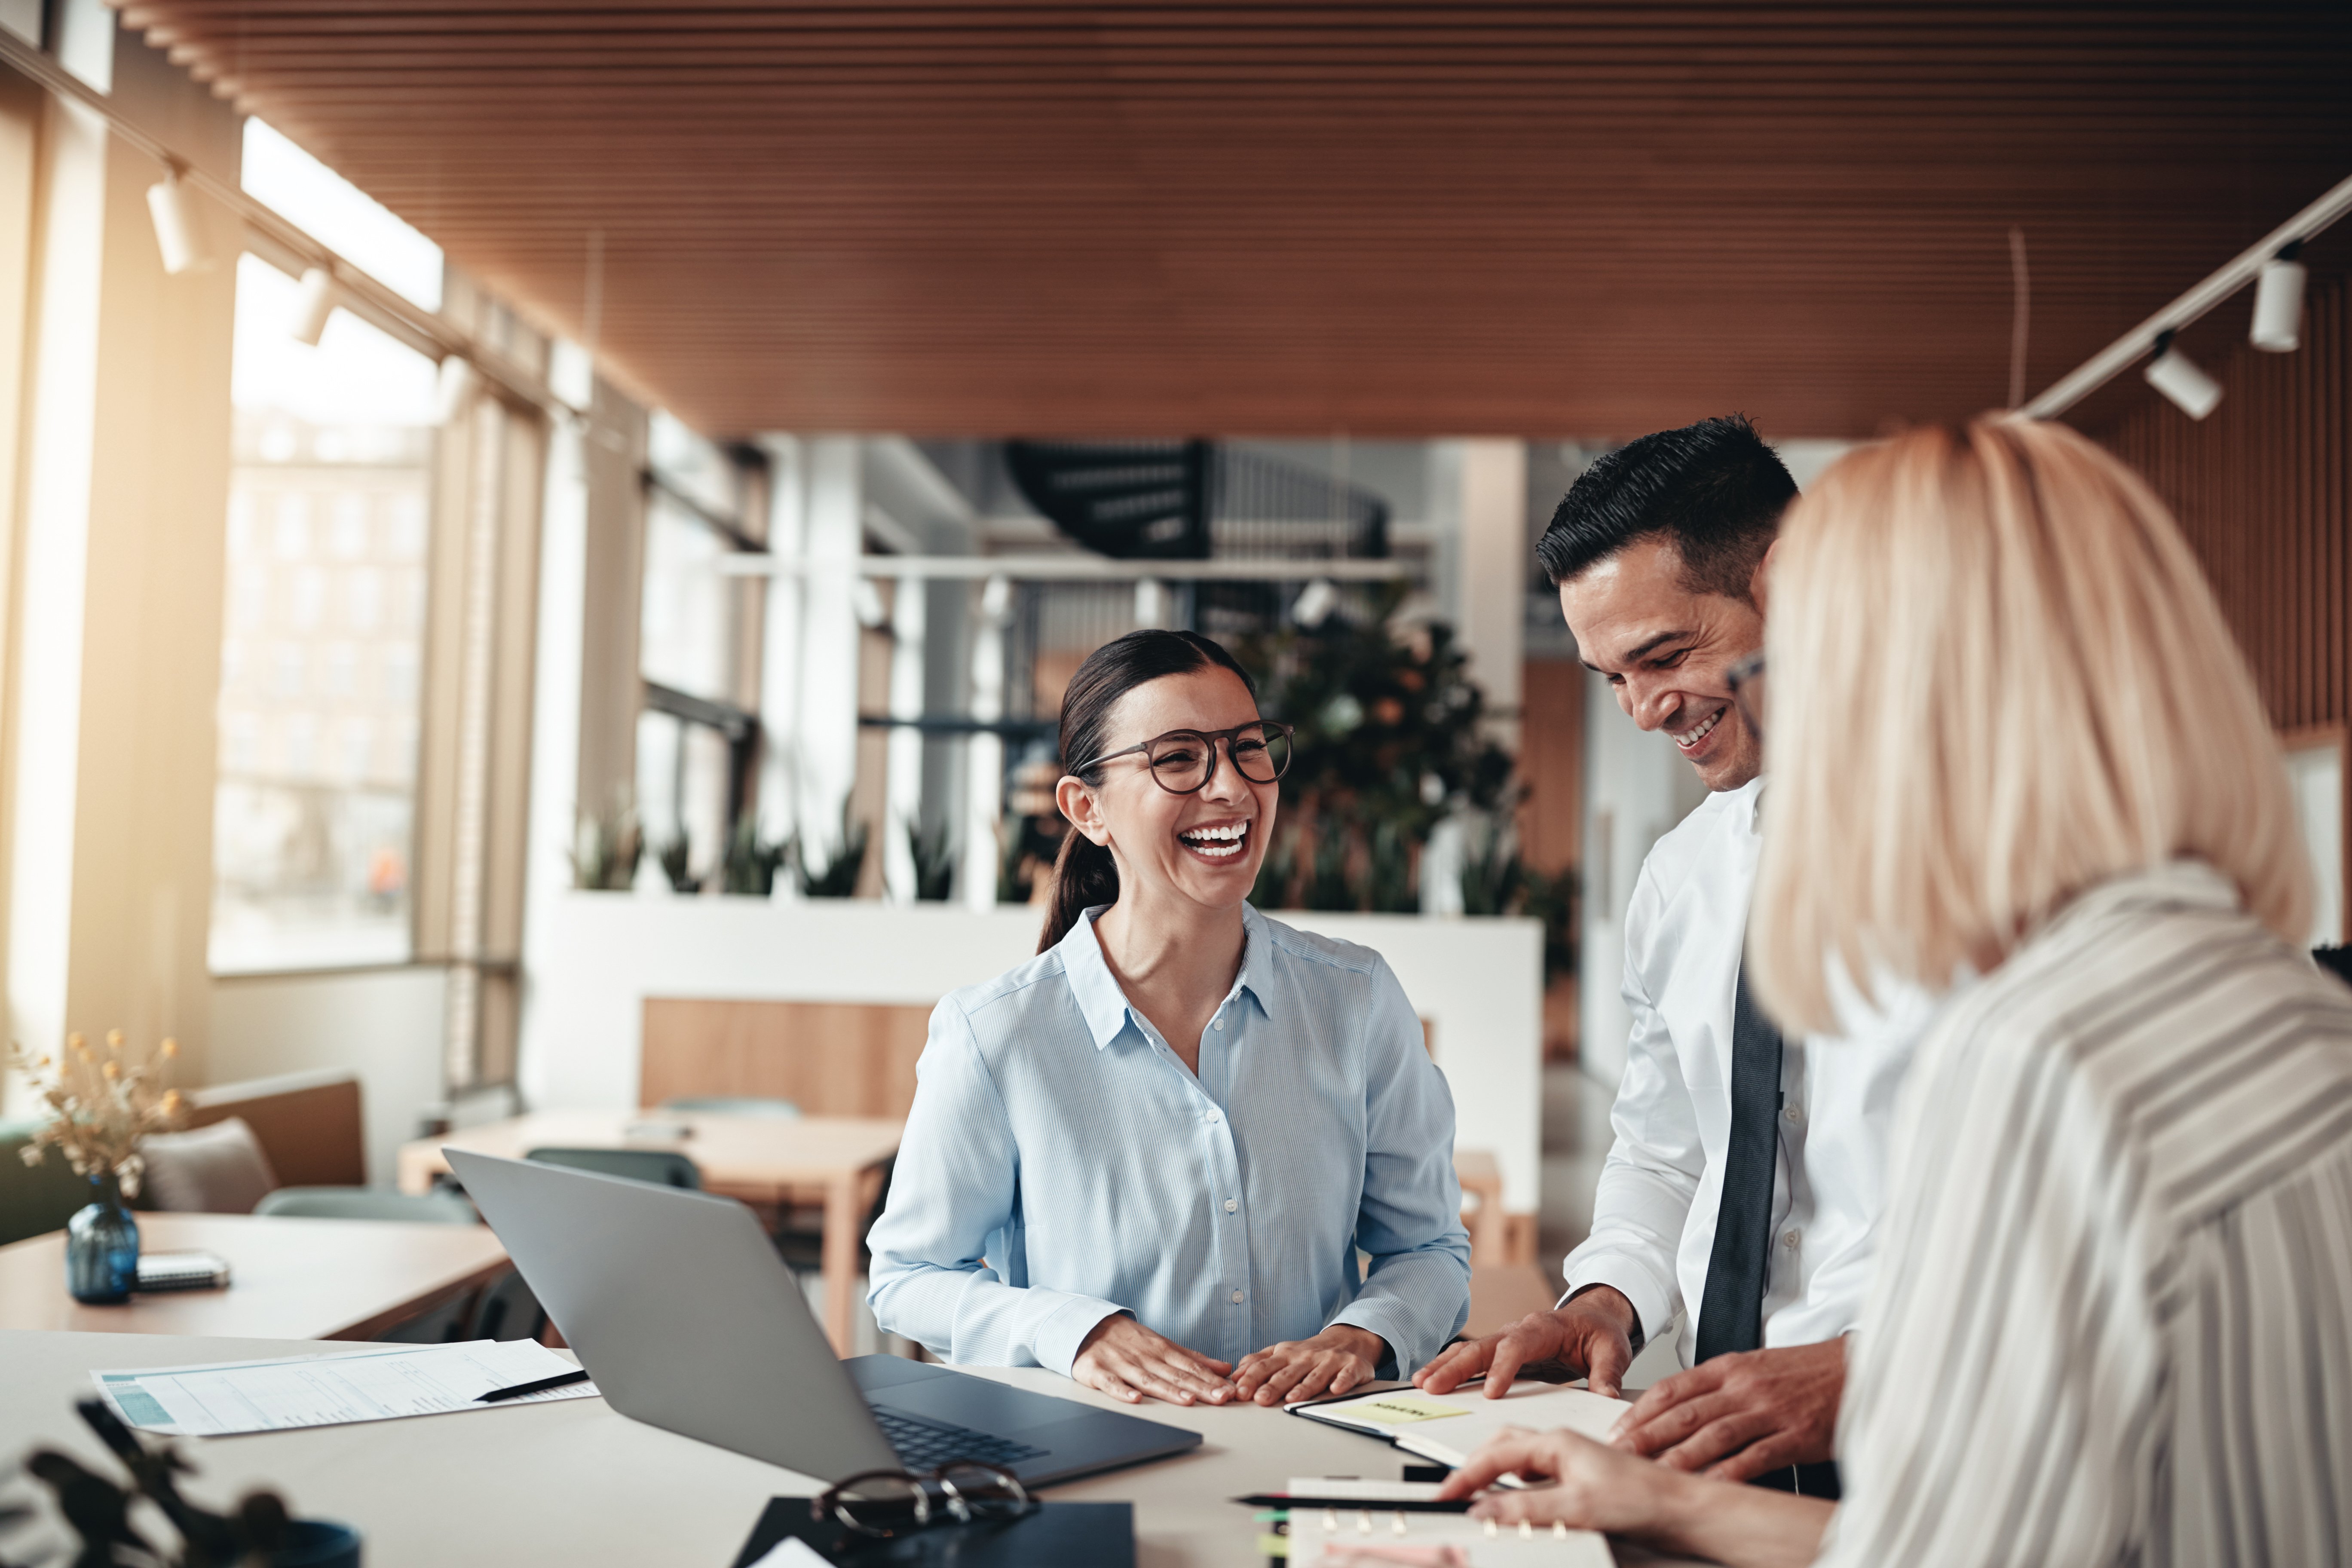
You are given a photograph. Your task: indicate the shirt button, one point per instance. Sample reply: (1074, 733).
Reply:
(1218, 1024)
(1794, 1113)
(1214, 1117)
(1230, 1205)
(1788, 1238)
(1238, 1297)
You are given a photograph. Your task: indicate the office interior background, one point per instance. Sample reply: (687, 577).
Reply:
(539, 569)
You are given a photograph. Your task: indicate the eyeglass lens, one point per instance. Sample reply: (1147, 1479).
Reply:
(982, 1490)
(881, 1503)
(1181, 763)
(892, 1502)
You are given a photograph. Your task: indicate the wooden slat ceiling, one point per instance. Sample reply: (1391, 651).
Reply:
(1301, 218)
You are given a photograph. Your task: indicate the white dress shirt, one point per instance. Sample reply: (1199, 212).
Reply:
(1653, 1212)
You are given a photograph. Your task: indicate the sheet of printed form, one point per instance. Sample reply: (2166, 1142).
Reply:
(224, 1398)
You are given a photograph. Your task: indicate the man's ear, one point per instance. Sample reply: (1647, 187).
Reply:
(1080, 809)
(1761, 581)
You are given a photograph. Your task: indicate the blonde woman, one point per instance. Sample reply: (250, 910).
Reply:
(2014, 753)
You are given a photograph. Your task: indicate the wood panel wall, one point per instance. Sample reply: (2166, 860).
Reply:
(829, 1058)
(2259, 487)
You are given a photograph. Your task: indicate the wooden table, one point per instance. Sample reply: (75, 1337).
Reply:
(288, 1278)
(762, 1159)
(579, 1484)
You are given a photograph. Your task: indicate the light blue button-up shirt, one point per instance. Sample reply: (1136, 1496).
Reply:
(1060, 1165)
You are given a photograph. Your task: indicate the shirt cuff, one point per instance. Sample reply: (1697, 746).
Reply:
(1395, 1327)
(1065, 1327)
(1652, 1299)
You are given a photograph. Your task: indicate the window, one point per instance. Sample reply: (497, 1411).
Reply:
(698, 642)
(330, 487)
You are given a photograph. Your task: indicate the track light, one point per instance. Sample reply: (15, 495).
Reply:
(454, 389)
(313, 303)
(2177, 376)
(1315, 604)
(179, 226)
(2278, 302)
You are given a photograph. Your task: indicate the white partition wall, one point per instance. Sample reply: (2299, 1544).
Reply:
(1478, 982)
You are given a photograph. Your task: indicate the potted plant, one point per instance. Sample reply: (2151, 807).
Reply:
(102, 1103)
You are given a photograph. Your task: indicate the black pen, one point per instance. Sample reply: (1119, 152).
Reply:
(559, 1381)
(1308, 1500)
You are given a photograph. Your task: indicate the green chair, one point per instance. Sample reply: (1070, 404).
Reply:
(662, 1167)
(367, 1203)
(35, 1199)
(733, 1105)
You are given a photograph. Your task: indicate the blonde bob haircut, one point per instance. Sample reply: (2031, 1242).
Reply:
(1996, 678)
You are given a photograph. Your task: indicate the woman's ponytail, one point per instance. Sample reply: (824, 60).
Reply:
(1084, 874)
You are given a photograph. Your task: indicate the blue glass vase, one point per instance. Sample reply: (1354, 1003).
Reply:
(102, 1247)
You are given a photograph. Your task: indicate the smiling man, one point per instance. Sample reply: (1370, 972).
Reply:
(1744, 1181)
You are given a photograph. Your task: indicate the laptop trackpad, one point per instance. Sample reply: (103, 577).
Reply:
(979, 1404)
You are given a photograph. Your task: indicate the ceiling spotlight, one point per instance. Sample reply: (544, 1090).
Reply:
(2178, 378)
(313, 303)
(1315, 604)
(2278, 302)
(179, 226)
(454, 389)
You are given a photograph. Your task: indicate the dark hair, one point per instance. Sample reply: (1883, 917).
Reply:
(1713, 488)
(1084, 873)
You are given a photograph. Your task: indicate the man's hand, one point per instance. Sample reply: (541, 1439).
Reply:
(1124, 1359)
(1333, 1362)
(1590, 1336)
(1738, 1416)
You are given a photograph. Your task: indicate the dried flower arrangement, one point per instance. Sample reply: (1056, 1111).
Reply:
(102, 1102)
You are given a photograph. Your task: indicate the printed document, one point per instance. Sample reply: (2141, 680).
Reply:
(1359, 1534)
(1450, 1427)
(227, 1397)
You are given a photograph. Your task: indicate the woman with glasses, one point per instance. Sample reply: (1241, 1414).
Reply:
(1150, 1157)
(2017, 757)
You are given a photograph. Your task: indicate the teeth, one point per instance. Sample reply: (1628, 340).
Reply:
(1689, 738)
(1218, 843)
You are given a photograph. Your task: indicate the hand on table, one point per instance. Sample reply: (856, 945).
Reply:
(1594, 1486)
(1589, 1336)
(1738, 1416)
(1333, 1362)
(1122, 1358)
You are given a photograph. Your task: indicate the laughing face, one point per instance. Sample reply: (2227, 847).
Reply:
(1666, 649)
(1205, 847)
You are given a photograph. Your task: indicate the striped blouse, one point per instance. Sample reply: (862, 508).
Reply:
(2113, 1317)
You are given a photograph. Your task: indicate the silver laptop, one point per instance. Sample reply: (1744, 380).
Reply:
(676, 1303)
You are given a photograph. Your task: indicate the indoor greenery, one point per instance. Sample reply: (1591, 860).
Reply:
(101, 1103)
(1389, 744)
(835, 877)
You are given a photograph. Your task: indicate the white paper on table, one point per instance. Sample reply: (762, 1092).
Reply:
(1315, 1531)
(792, 1551)
(1452, 1439)
(223, 1398)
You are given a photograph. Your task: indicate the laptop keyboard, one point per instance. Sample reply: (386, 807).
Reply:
(925, 1445)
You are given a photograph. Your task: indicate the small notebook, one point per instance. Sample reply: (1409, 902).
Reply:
(1057, 1536)
(1365, 1532)
(1450, 1427)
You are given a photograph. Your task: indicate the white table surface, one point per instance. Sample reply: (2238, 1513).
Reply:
(579, 1484)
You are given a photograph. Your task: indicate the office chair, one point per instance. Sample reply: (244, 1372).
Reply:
(663, 1167)
(367, 1203)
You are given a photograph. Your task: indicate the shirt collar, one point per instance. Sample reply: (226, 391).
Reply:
(1100, 1001)
(2185, 882)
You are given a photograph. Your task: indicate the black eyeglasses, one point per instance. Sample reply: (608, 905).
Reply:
(1184, 760)
(1747, 678)
(884, 1503)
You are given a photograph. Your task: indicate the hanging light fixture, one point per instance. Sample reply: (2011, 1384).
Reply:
(2181, 379)
(314, 301)
(179, 226)
(2278, 302)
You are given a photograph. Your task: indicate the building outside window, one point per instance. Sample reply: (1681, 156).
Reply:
(323, 626)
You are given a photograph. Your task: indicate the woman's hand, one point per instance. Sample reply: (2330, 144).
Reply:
(1126, 1361)
(1333, 1362)
(1594, 1487)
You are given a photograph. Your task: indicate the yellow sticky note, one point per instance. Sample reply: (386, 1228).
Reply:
(1398, 1409)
